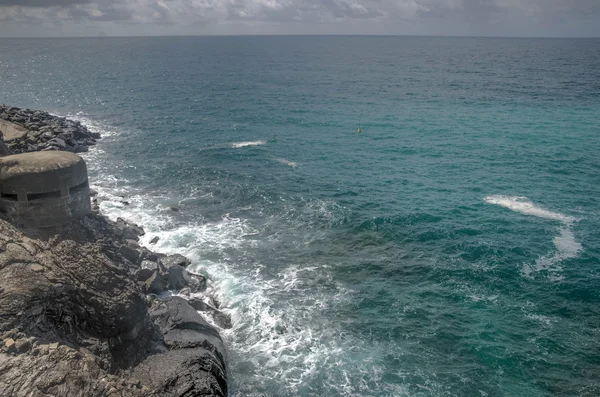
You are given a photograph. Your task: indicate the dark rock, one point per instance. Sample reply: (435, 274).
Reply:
(195, 362)
(144, 274)
(197, 283)
(129, 253)
(176, 259)
(155, 284)
(129, 229)
(177, 277)
(154, 240)
(175, 209)
(223, 320)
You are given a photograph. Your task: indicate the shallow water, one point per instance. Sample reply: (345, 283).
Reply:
(450, 249)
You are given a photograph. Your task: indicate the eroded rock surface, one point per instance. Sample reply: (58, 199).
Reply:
(74, 321)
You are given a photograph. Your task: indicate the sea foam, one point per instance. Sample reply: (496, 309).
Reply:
(237, 145)
(565, 245)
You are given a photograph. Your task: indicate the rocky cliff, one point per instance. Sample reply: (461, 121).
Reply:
(83, 313)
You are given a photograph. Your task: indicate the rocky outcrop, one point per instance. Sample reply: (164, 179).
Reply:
(34, 130)
(83, 309)
(74, 321)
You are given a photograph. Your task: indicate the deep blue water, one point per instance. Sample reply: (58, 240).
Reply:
(450, 249)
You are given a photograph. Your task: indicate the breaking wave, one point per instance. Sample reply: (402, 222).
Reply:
(566, 247)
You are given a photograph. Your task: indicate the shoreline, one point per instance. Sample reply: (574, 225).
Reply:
(156, 344)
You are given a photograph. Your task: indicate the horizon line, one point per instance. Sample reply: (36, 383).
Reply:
(301, 35)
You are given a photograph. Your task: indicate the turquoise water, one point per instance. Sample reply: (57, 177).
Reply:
(450, 249)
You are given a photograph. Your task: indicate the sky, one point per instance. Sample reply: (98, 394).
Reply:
(521, 18)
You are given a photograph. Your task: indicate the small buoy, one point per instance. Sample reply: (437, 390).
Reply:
(359, 130)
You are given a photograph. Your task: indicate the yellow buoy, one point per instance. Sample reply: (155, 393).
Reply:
(359, 130)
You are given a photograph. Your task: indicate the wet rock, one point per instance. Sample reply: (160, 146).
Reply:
(177, 277)
(129, 229)
(223, 320)
(197, 283)
(175, 260)
(154, 240)
(195, 362)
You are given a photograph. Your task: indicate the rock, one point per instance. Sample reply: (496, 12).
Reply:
(197, 283)
(177, 277)
(185, 291)
(174, 209)
(129, 229)
(9, 345)
(223, 320)
(130, 254)
(195, 362)
(155, 284)
(144, 274)
(175, 260)
(152, 265)
(93, 192)
(23, 345)
(154, 240)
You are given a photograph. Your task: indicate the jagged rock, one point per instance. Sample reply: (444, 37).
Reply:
(195, 363)
(74, 322)
(155, 284)
(41, 127)
(175, 260)
(129, 229)
(154, 240)
(129, 253)
(223, 320)
(177, 277)
(197, 283)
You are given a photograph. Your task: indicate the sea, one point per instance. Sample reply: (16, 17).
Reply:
(451, 248)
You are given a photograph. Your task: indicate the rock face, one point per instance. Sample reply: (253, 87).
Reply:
(33, 130)
(74, 317)
(74, 321)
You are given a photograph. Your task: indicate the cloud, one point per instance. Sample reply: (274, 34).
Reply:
(437, 16)
(42, 3)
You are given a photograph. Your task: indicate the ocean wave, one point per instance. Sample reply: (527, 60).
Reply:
(565, 244)
(237, 145)
(292, 164)
(524, 206)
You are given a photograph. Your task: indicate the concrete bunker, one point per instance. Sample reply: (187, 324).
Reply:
(44, 189)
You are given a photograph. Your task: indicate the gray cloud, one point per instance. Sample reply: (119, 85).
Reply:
(42, 3)
(503, 17)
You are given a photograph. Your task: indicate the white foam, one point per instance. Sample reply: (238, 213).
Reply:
(237, 145)
(292, 164)
(524, 206)
(566, 247)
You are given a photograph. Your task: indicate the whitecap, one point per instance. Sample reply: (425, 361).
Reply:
(565, 244)
(237, 145)
(524, 206)
(292, 164)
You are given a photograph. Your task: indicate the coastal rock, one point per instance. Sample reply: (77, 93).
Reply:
(223, 320)
(177, 276)
(32, 130)
(129, 230)
(154, 240)
(195, 363)
(175, 260)
(74, 322)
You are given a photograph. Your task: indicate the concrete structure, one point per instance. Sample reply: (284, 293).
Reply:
(43, 189)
